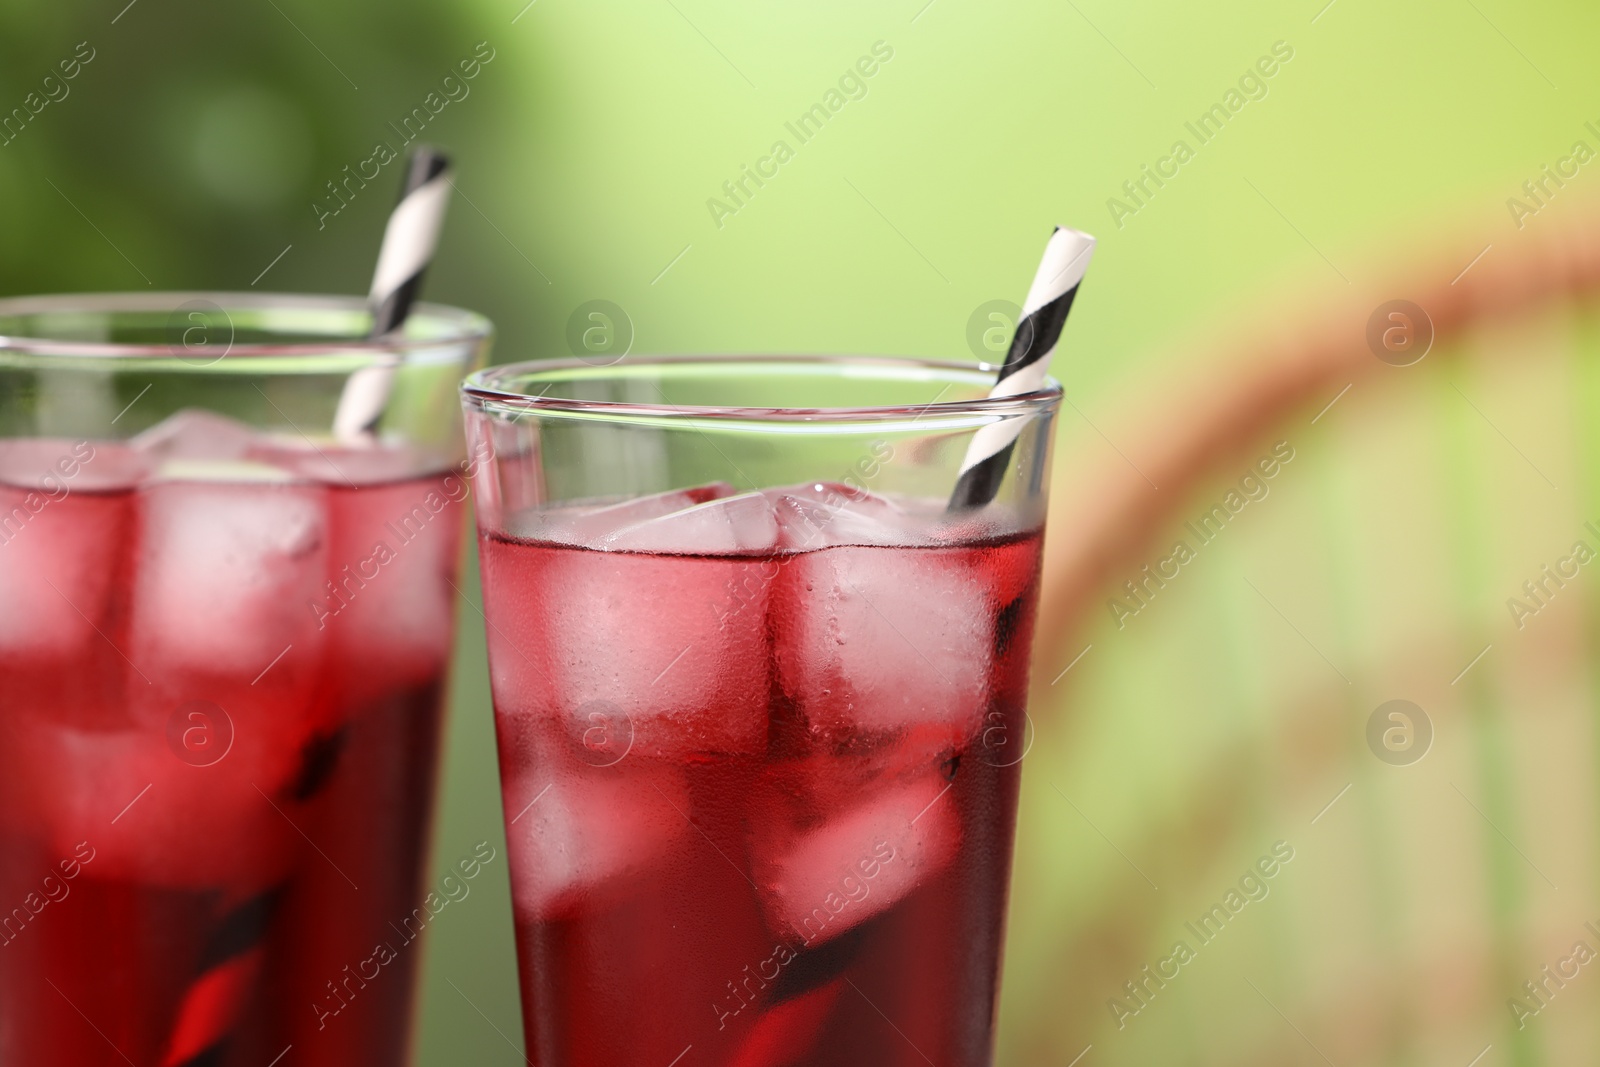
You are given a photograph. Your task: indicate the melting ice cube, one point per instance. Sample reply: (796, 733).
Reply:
(820, 514)
(58, 561)
(742, 523)
(819, 881)
(151, 818)
(576, 831)
(677, 643)
(591, 525)
(884, 640)
(389, 611)
(227, 574)
(195, 433)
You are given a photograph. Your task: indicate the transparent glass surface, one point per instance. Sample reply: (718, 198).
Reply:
(760, 700)
(223, 632)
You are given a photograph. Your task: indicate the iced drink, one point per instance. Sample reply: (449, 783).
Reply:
(760, 755)
(221, 656)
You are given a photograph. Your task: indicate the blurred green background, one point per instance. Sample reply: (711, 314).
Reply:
(191, 150)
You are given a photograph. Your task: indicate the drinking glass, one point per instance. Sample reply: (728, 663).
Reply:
(759, 697)
(223, 638)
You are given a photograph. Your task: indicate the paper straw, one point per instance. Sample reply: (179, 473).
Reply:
(408, 245)
(1061, 270)
(231, 961)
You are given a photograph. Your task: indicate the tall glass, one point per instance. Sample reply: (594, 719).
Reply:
(223, 637)
(759, 696)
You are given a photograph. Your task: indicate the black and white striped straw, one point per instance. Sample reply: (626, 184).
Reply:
(228, 971)
(1061, 271)
(408, 245)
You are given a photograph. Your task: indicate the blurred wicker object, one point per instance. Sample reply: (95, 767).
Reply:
(1232, 713)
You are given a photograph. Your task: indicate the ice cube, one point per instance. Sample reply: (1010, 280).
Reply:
(29, 463)
(220, 470)
(343, 466)
(152, 818)
(194, 433)
(820, 514)
(59, 558)
(57, 467)
(884, 640)
(577, 832)
(228, 575)
(390, 614)
(677, 644)
(586, 522)
(816, 882)
(742, 523)
(591, 524)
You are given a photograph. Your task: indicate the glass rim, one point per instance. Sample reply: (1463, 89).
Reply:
(469, 326)
(486, 388)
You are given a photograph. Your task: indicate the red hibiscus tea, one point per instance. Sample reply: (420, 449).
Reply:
(219, 715)
(760, 757)
(224, 630)
(759, 690)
